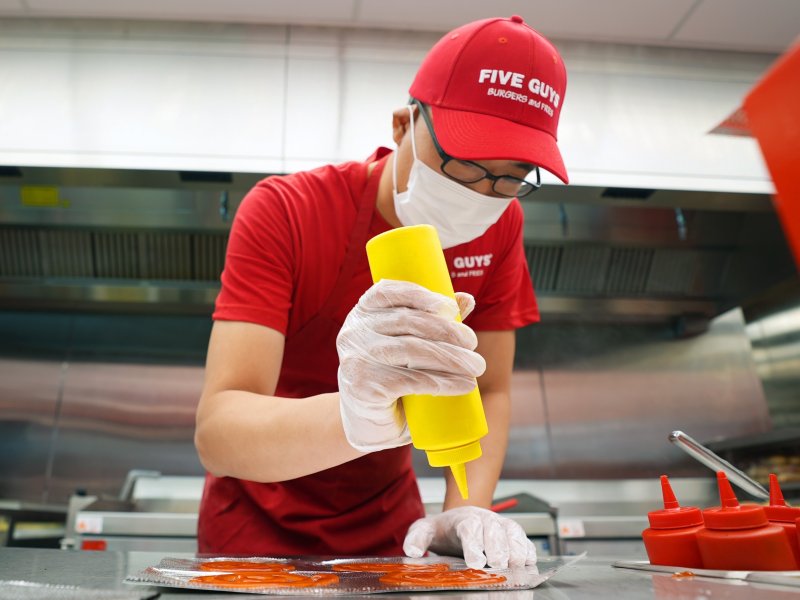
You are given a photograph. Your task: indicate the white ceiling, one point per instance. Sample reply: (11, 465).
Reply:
(747, 25)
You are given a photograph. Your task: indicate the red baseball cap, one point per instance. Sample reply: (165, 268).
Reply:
(495, 88)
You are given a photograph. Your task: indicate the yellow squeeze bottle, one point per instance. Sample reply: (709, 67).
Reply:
(448, 428)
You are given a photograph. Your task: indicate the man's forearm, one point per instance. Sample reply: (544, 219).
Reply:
(266, 438)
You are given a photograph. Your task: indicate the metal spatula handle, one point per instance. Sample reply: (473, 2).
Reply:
(705, 456)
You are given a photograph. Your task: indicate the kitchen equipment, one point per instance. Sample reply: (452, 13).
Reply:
(705, 456)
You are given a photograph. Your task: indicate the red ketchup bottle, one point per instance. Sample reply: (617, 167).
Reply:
(671, 539)
(784, 516)
(740, 538)
(797, 523)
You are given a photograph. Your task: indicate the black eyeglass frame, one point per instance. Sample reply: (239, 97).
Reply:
(528, 186)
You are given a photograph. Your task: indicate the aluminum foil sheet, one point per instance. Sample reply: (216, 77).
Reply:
(28, 590)
(339, 577)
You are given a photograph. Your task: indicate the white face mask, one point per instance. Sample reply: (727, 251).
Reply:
(458, 213)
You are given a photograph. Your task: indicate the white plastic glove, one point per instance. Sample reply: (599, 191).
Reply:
(479, 535)
(401, 339)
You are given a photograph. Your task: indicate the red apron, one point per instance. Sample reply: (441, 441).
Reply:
(363, 507)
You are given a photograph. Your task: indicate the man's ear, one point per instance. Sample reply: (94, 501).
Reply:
(400, 121)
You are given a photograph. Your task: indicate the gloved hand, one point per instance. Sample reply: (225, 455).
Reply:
(401, 339)
(480, 535)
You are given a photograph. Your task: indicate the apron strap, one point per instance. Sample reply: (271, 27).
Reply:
(358, 239)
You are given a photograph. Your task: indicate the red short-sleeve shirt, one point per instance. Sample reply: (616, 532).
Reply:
(290, 236)
(288, 242)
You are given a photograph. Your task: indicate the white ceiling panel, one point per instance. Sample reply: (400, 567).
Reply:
(617, 20)
(629, 20)
(748, 25)
(259, 11)
(427, 15)
(765, 25)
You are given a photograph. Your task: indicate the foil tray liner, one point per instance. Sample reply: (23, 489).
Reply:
(178, 573)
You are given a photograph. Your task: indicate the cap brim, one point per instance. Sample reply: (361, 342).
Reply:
(475, 136)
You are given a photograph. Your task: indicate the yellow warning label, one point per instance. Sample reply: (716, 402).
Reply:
(38, 195)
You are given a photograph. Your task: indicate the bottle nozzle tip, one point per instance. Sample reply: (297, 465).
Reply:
(775, 493)
(670, 501)
(727, 498)
(459, 471)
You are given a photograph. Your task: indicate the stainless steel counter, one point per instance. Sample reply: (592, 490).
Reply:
(592, 577)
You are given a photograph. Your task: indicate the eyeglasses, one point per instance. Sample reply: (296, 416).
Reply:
(466, 171)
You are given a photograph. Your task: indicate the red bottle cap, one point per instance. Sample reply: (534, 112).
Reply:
(731, 515)
(673, 516)
(778, 510)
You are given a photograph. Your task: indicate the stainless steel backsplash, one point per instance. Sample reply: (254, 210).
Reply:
(775, 338)
(86, 397)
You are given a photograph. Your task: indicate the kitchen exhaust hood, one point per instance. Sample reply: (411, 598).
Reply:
(154, 241)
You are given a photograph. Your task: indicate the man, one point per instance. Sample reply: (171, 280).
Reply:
(304, 441)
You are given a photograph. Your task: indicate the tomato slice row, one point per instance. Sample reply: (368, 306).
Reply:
(262, 579)
(390, 567)
(244, 565)
(445, 578)
(251, 574)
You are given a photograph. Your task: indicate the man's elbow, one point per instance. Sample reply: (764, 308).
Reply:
(207, 442)
(204, 447)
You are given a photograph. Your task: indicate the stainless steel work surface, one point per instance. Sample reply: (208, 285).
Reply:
(590, 578)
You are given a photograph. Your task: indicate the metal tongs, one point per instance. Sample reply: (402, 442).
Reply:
(705, 456)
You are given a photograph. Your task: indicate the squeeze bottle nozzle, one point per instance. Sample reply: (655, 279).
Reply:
(673, 515)
(670, 501)
(459, 471)
(727, 498)
(448, 428)
(775, 493)
(778, 510)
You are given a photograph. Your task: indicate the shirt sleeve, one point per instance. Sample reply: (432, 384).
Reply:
(507, 300)
(258, 277)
